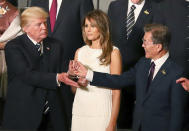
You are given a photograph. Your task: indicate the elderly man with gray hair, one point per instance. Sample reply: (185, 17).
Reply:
(34, 77)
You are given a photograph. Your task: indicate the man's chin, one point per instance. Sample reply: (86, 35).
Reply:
(147, 56)
(43, 36)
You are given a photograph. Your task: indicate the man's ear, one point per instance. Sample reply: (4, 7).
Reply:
(25, 29)
(159, 47)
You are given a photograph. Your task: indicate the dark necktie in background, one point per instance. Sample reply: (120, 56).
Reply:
(150, 76)
(46, 107)
(52, 13)
(38, 47)
(130, 20)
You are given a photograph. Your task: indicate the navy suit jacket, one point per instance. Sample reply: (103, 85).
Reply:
(32, 81)
(131, 48)
(67, 28)
(159, 109)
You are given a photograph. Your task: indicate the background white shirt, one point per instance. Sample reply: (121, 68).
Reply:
(137, 10)
(59, 2)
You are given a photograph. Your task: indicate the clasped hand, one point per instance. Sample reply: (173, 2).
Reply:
(77, 72)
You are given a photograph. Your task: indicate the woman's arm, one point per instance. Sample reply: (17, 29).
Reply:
(115, 68)
(75, 58)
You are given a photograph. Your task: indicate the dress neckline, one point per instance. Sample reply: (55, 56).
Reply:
(94, 48)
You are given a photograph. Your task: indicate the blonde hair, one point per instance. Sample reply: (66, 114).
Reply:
(101, 22)
(32, 13)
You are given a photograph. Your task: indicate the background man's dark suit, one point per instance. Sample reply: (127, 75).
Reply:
(174, 14)
(161, 108)
(32, 81)
(131, 48)
(67, 30)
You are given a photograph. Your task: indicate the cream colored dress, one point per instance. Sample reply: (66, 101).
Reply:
(92, 105)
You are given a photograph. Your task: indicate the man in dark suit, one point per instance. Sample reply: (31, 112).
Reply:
(33, 63)
(130, 47)
(174, 14)
(159, 100)
(67, 30)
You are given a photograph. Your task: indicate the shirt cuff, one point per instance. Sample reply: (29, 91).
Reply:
(89, 75)
(58, 83)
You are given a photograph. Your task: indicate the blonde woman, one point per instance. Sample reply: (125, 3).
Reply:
(94, 108)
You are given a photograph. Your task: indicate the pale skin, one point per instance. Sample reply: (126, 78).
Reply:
(136, 1)
(152, 51)
(37, 30)
(184, 82)
(93, 34)
(115, 68)
(2, 46)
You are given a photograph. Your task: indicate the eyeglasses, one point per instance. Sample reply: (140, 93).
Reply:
(146, 42)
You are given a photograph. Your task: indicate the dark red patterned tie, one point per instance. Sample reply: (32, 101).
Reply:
(53, 12)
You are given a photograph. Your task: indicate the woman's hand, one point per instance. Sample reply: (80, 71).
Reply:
(2, 46)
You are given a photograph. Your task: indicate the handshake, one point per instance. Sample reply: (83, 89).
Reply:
(76, 75)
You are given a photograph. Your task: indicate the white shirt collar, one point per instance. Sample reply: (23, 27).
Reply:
(159, 62)
(34, 42)
(138, 8)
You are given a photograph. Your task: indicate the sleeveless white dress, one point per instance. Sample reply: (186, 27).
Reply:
(92, 105)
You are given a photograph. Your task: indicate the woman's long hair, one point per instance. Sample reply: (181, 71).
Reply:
(101, 22)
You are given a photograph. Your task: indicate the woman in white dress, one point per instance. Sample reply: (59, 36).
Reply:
(94, 108)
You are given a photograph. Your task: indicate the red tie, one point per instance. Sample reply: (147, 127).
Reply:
(53, 14)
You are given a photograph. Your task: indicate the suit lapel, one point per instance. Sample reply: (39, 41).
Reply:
(144, 16)
(30, 52)
(46, 54)
(29, 46)
(60, 15)
(122, 17)
(158, 78)
(144, 77)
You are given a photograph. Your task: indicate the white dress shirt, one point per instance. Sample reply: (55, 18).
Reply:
(59, 2)
(137, 10)
(159, 62)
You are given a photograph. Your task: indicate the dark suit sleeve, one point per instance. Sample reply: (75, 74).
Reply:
(117, 81)
(86, 6)
(19, 69)
(114, 81)
(178, 99)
